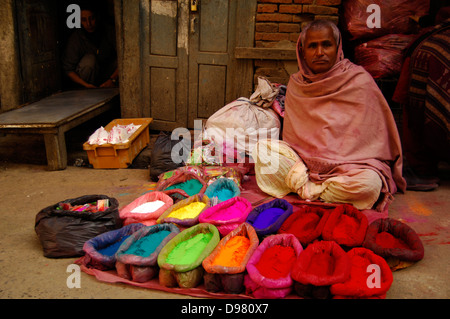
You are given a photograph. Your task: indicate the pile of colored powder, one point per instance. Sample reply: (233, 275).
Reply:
(187, 251)
(112, 249)
(230, 212)
(223, 194)
(191, 187)
(346, 226)
(191, 210)
(146, 245)
(276, 261)
(306, 222)
(267, 217)
(322, 264)
(358, 272)
(387, 240)
(233, 252)
(148, 207)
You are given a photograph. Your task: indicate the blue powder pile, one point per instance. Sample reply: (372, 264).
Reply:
(223, 194)
(112, 249)
(145, 246)
(267, 217)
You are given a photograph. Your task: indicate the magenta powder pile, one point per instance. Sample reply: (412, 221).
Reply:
(230, 212)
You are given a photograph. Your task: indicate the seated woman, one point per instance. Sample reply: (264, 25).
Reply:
(340, 126)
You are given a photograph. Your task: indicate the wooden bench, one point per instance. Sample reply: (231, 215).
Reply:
(55, 115)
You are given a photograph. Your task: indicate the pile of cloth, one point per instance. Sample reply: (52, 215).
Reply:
(118, 134)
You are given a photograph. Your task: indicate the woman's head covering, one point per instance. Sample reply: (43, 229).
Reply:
(339, 120)
(306, 73)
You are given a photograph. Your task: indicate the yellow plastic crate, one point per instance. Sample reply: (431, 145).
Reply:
(120, 155)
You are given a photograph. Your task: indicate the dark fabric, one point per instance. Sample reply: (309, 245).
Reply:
(63, 233)
(161, 157)
(428, 93)
(423, 90)
(229, 283)
(396, 228)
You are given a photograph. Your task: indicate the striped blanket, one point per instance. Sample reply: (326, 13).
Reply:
(429, 91)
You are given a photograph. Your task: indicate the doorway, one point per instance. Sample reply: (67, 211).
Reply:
(187, 67)
(42, 35)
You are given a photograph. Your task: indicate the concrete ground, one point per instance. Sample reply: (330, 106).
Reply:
(26, 187)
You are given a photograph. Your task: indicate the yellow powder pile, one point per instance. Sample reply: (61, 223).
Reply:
(191, 210)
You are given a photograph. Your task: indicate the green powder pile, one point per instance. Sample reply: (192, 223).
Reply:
(189, 250)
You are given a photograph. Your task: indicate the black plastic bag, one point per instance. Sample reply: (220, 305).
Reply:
(161, 157)
(62, 233)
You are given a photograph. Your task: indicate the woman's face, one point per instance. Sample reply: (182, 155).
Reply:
(320, 50)
(88, 20)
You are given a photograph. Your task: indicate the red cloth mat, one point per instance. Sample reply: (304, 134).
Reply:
(199, 291)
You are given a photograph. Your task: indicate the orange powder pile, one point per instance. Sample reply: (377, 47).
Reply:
(233, 252)
(191, 210)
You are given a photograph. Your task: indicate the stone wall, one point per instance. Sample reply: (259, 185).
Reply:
(278, 25)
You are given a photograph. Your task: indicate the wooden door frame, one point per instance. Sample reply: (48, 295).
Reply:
(129, 17)
(10, 77)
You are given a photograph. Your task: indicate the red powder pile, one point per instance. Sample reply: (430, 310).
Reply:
(358, 273)
(387, 240)
(347, 225)
(276, 261)
(304, 224)
(322, 264)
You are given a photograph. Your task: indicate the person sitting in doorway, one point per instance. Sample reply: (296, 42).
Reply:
(90, 57)
(339, 124)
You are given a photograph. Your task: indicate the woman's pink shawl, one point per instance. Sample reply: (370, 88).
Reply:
(339, 120)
